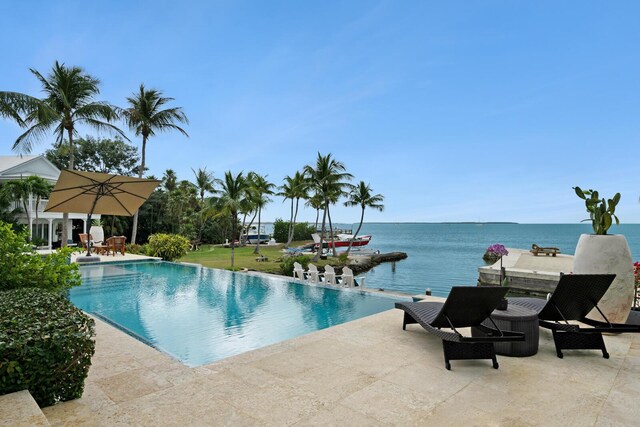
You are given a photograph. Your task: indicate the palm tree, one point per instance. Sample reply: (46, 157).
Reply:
(232, 194)
(295, 188)
(316, 202)
(205, 183)
(19, 191)
(68, 103)
(329, 178)
(170, 180)
(40, 188)
(360, 195)
(262, 189)
(145, 116)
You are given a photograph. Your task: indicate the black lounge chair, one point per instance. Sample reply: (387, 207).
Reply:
(466, 306)
(575, 296)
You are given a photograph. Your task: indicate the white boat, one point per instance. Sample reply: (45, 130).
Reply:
(251, 235)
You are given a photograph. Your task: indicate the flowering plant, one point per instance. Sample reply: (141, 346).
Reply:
(497, 250)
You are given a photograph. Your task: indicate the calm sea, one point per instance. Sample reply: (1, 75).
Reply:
(444, 255)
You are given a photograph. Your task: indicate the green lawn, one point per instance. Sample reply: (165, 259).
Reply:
(216, 256)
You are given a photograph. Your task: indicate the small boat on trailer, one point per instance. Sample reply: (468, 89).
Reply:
(341, 240)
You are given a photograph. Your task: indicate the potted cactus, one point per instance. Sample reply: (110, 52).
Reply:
(605, 253)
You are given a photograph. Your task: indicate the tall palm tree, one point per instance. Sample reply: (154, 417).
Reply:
(294, 188)
(170, 180)
(145, 116)
(329, 178)
(262, 189)
(232, 194)
(205, 183)
(360, 195)
(68, 102)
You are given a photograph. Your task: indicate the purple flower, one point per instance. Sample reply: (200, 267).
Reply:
(498, 249)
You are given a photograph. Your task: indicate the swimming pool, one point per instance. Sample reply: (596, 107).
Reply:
(200, 315)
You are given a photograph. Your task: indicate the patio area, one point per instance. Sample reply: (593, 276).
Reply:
(365, 372)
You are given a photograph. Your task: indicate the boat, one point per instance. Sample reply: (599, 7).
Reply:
(341, 240)
(251, 235)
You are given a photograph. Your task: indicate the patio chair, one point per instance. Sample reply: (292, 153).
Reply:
(466, 306)
(298, 271)
(312, 274)
(329, 275)
(84, 240)
(116, 244)
(346, 278)
(575, 296)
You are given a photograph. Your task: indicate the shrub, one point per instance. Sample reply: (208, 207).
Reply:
(168, 246)
(134, 248)
(45, 345)
(21, 267)
(301, 231)
(286, 266)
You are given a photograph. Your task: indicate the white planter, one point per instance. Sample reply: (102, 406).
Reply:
(597, 254)
(97, 233)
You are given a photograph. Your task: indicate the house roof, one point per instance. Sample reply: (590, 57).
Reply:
(15, 167)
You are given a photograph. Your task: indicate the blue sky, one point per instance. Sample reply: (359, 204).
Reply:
(454, 111)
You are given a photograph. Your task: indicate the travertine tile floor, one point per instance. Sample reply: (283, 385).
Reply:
(366, 372)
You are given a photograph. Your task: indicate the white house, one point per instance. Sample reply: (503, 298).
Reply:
(49, 223)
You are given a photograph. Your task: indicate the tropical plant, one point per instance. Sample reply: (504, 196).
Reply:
(260, 189)
(294, 188)
(329, 178)
(68, 103)
(40, 189)
(46, 345)
(22, 268)
(19, 191)
(233, 192)
(601, 211)
(145, 116)
(169, 247)
(205, 183)
(360, 195)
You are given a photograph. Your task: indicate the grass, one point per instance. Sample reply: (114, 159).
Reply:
(216, 256)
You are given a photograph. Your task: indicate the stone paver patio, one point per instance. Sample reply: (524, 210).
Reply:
(366, 372)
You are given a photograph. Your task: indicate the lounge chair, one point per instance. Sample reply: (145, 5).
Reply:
(346, 278)
(466, 306)
(535, 250)
(329, 275)
(575, 296)
(298, 271)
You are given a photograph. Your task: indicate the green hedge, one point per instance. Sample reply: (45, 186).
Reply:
(168, 246)
(21, 267)
(301, 231)
(45, 345)
(286, 266)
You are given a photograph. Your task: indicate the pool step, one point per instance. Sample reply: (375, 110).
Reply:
(19, 409)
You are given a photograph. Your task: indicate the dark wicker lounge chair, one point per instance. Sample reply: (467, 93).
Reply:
(465, 307)
(575, 296)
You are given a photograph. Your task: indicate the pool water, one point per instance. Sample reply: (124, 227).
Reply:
(200, 315)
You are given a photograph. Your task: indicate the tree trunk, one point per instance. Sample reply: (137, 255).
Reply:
(257, 249)
(317, 215)
(36, 209)
(234, 218)
(333, 242)
(356, 233)
(248, 227)
(293, 227)
(65, 215)
(319, 251)
(134, 232)
(290, 231)
(28, 214)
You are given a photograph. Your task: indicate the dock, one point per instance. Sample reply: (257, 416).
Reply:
(527, 274)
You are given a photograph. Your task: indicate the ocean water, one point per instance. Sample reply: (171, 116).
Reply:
(444, 255)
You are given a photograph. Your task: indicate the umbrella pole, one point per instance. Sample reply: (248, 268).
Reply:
(99, 193)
